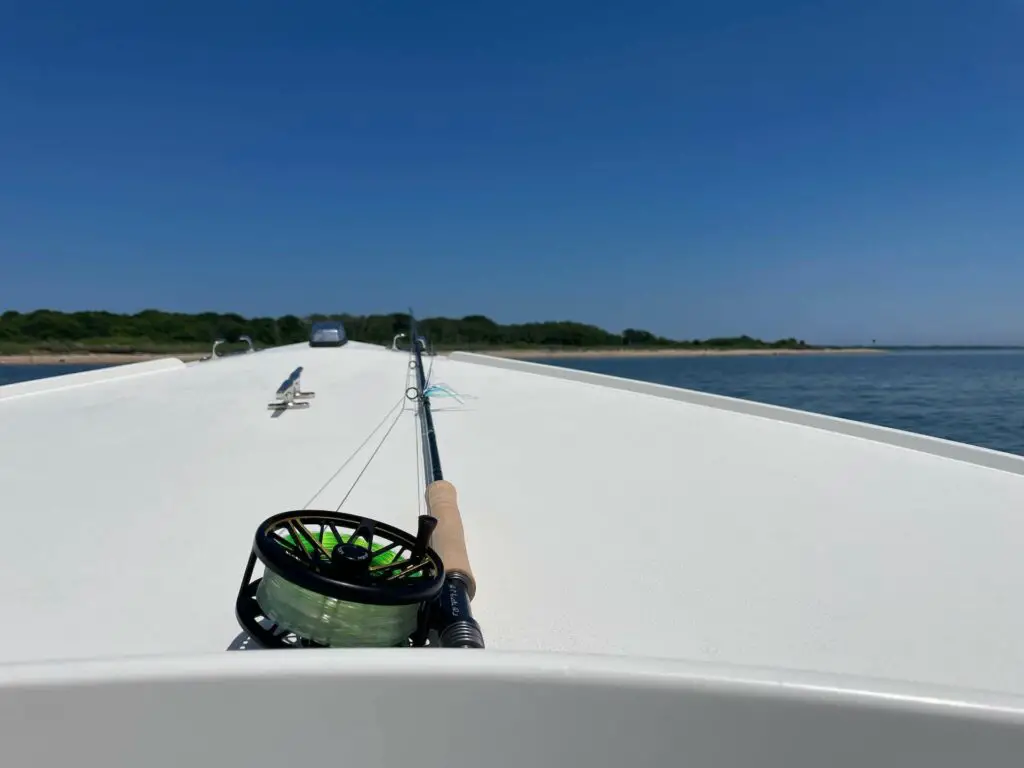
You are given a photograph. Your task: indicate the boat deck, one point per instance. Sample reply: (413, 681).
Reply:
(602, 516)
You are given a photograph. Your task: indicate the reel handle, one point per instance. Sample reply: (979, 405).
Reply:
(450, 536)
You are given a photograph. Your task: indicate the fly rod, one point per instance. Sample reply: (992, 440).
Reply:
(451, 615)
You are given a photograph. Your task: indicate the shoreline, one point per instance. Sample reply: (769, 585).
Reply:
(616, 352)
(114, 358)
(98, 358)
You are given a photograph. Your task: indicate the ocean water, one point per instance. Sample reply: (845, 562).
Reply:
(972, 396)
(12, 374)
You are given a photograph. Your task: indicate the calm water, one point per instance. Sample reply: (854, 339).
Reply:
(11, 374)
(974, 397)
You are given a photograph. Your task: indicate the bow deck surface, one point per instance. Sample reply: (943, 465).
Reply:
(601, 516)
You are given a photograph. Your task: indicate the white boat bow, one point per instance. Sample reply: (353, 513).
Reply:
(725, 582)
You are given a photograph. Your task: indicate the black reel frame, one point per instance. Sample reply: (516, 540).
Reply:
(414, 575)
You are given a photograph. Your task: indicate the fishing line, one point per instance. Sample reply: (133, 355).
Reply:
(369, 460)
(338, 471)
(337, 580)
(430, 370)
(341, 580)
(335, 549)
(332, 622)
(375, 450)
(419, 476)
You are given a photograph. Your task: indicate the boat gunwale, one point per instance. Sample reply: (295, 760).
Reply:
(935, 446)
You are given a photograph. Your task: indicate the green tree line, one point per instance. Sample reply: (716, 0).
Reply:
(155, 330)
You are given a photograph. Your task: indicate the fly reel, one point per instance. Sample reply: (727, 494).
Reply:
(337, 580)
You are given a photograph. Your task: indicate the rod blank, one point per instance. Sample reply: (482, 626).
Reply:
(453, 617)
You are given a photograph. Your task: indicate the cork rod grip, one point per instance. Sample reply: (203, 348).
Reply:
(450, 537)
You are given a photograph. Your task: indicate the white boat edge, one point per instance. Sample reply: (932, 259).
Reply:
(496, 666)
(936, 446)
(460, 709)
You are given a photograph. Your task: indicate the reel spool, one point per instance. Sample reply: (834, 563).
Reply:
(337, 580)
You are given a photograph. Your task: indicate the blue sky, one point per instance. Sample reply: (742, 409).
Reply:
(837, 171)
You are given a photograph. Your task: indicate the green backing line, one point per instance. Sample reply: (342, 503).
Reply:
(330, 541)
